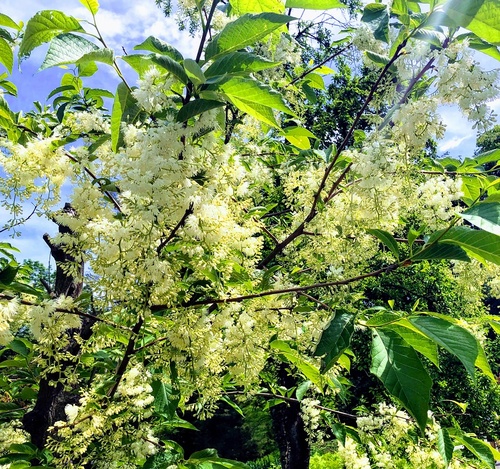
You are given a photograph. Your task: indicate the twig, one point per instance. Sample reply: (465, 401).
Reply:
(76, 312)
(205, 30)
(238, 299)
(180, 224)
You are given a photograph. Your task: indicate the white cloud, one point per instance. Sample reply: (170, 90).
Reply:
(452, 143)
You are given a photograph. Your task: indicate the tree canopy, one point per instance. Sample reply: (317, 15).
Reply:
(236, 213)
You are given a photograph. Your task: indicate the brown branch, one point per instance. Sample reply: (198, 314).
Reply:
(282, 291)
(96, 179)
(313, 210)
(77, 312)
(180, 224)
(205, 30)
(21, 221)
(129, 351)
(315, 67)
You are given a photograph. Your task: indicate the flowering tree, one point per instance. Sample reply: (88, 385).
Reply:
(226, 245)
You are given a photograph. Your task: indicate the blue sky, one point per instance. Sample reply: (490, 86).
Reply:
(125, 24)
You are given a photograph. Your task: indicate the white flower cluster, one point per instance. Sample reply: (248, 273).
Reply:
(311, 415)
(437, 196)
(8, 313)
(153, 91)
(352, 456)
(462, 81)
(84, 122)
(11, 433)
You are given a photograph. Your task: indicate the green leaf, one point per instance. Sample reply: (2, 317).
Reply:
(480, 45)
(471, 187)
(292, 356)
(492, 156)
(457, 340)
(441, 251)
(6, 55)
(240, 7)
(402, 373)
(238, 63)
(315, 4)
(482, 363)
(254, 98)
(302, 388)
(67, 49)
(479, 448)
(91, 5)
(105, 56)
(158, 46)
(8, 274)
(387, 239)
(335, 339)
(244, 31)
(139, 62)
(9, 22)
(196, 107)
(194, 72)
(169, 64)
(485, 216)
(377, 17)
(298, 136)
(445, 445)
(43, 27)
(166, 398)
(416, 339)
(482, 17)
(125, 110)
(377, 58)
(475, 242)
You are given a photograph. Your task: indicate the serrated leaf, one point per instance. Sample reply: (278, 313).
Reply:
(475, 242)
(482, 363)
(169, 64)
(244, 31)
(158, 46)
(139, 62)
(238, 63)
(377, 58)
(376, 16)
(457, 340)
(402, 373)
(43, 27)
(434, 38)
(292, 356)
(194, 72)
(445, 445)
(387, 239)
(254, 98)
(382, 318)
(479, 448)
(416, 339)
(166, 398)
(6, 55)
(471, 188)
(492, 156)
(482, 17)
(196, 107)
(482, 46)
(125, 110)
(105, 56)
(302, 388)
(335, 339)
(441, 251)
(315, 4)
(240, 7)
(67, 49)
(298, 136)
(91, 5)
(8, 22)
(485, 216)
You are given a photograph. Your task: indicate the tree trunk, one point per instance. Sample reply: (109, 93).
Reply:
(289, 429)
(52, 400)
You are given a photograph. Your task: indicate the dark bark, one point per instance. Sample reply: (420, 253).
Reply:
(52, 400)
(289, 430)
